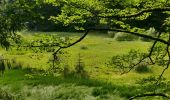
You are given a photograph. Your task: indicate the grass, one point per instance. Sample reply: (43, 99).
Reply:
(103, 82)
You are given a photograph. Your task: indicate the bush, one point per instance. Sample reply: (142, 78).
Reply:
(5, 95)
(142, 68)
(15, 65)
(83, 47)
(99, 91)
(111, 34)
(79, 68)
(120, 36)
(2, 67)
(66, 71)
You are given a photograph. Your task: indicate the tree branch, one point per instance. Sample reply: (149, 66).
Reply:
(139, 13)
(133, 33)
(150, 95)
(153, 45)
(77, 41)
(62, 47)
(132, 67)
(168, 63)
(148, 56)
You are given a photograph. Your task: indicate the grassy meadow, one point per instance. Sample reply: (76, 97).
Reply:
(30, 81)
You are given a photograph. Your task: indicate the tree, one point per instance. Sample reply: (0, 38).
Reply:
(130, 16)
(15, 16)
(45, 10)
(118, 16)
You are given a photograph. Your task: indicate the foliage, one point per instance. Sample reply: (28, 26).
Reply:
(45, 9)
(111, 34)
(5, 96)
(13, 17)
(130, 16)
(43, 42)
(142, 68)
(79, 68)
(2, 67)
(149, 80)
(127, 62)
(57, 65)
(93, 13)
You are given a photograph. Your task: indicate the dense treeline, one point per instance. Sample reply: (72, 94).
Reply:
(33, 15)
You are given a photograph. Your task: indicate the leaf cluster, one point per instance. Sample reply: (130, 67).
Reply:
(126, 62)
(43, 43)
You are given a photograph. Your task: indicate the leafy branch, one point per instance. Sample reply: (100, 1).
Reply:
(137, 14)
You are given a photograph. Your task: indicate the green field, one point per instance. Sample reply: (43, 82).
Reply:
(102, 83)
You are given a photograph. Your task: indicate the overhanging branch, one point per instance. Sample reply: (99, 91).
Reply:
(133, 33)
(150, 95)
(67, 46)
(168, 63)
(139, 13)
(77, 41)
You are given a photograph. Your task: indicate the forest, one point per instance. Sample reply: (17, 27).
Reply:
(84, 49)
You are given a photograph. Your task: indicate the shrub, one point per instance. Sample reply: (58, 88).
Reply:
(5, 95)
(120, 36)
(83, 47)
(66, 71)
(99, 91)
(150, 79)
(2, 67)
(111, 34)
(142, 68)
(79, 68)
(16, 65)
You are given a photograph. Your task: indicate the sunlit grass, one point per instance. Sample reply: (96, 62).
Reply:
(95, 50)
